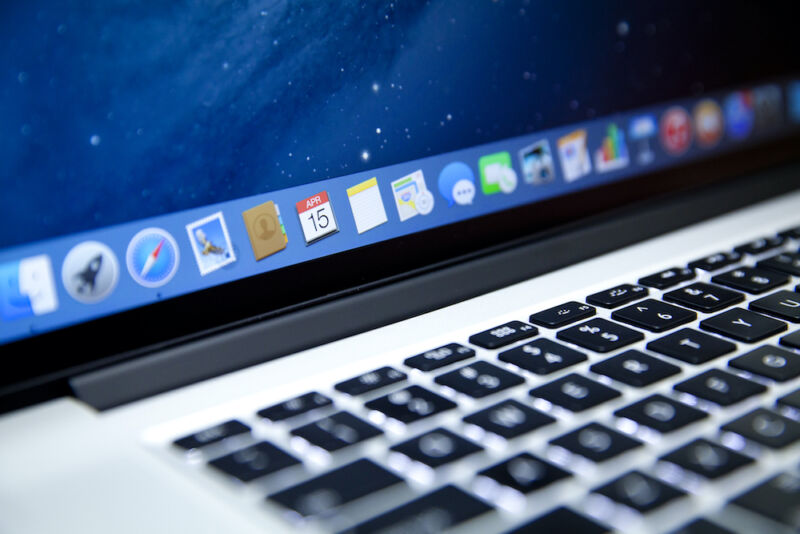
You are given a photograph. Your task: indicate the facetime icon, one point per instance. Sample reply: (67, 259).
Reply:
(265, 229)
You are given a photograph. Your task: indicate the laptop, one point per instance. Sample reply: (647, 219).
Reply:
(410, 267)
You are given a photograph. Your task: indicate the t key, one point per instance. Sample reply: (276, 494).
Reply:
(654, 315)
(691, 346)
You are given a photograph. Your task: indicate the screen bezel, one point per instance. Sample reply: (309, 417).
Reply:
(43, 363)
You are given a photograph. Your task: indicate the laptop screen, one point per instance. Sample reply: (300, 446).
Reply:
(248, 157)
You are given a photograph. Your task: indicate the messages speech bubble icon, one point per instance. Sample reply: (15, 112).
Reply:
(457, 183)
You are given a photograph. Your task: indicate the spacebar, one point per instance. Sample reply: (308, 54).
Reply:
(335, 488)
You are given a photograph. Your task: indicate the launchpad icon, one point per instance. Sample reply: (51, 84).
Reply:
(90, 272)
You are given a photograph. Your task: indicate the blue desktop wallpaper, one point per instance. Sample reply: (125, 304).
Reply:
(116, 110)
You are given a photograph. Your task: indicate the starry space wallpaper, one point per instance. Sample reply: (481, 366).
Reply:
(116, 110)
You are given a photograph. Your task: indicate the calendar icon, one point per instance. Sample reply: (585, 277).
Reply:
(316, 217)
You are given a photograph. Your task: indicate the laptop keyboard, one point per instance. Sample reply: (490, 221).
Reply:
(609, 414)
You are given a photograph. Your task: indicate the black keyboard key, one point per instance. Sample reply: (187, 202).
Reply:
(561, 521)
(701, 526)
(321, 495)
(743, 325)
(641, 492)
(255, 461)
(212, 435)
(439, 510)
(661, 413)
(788, 262)
(704, 297)
(668, 278)
(370, 381)
(437, 447)
(441, 357)
(772, 362)
(503, 335)
(791, 400)
(296, 406)
(691, 346)
(716, 261)
(751, 279)
(617, 296)
(600, 335)
(654, 315)
(783, 304)
(792, 340)
(778, 499)
(635, 368)
(707, 459)
(596, 442)
(720, 387)
(562, 315)
(759, 246)
(542, 356)
(791, 233)
(337, 431)
(479, 379)
(411, 404)
(765, 427)
(575, 393)
(509, 419)
(525, 473)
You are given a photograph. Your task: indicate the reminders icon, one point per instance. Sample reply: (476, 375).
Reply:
(367, 206)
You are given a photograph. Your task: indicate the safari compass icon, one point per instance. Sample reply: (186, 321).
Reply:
(152, 257)
(90, 272)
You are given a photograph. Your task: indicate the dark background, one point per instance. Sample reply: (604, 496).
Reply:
(117, 110)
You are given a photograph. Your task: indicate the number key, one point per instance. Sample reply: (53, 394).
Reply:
(704, 297)
(600, 335)
(562, 315)
(751, 279)
(758, 246)
(716, 261)
(441, 357)
(370, 381)
(654, 315)
(503, 335)
(788, 262)
(667, 278)
(617, 296)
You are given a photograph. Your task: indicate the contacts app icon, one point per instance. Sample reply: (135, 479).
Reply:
(265, 229)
